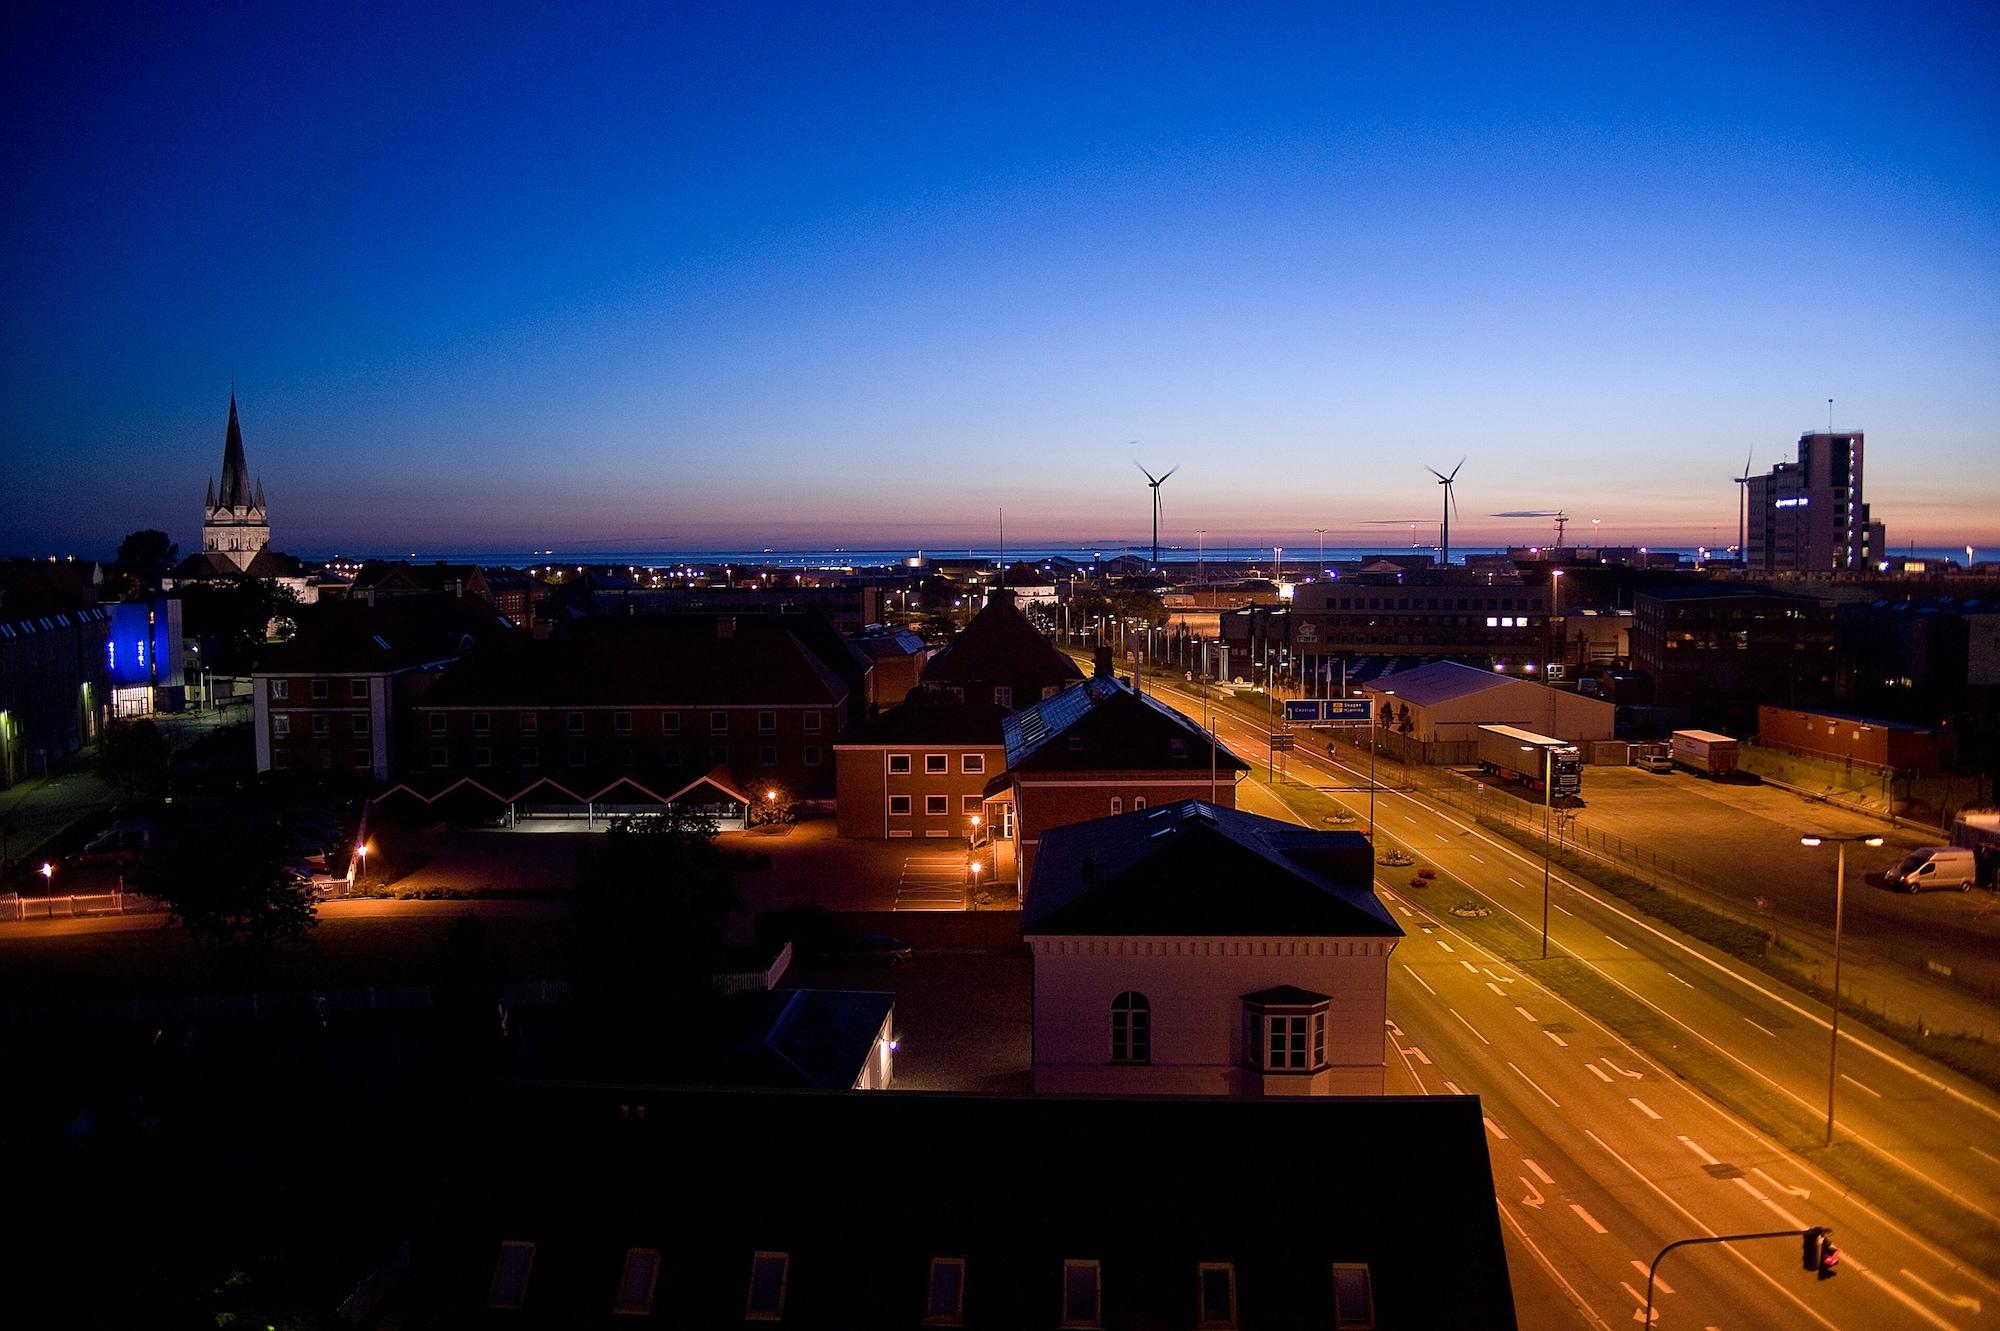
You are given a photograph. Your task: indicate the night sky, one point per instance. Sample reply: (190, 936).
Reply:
(698, 276)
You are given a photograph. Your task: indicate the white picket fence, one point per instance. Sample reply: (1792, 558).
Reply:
(14, 906)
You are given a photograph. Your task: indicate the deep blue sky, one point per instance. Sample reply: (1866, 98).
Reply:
(742, 274)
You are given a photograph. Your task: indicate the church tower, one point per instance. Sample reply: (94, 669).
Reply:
(235, 524)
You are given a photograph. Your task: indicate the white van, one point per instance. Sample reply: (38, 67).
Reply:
(1934, 866)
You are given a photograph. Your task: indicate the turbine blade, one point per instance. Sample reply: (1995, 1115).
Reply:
(1435, 472)
(1455, 470)
(1170, 471)
(1143, 472)
(1452, 492)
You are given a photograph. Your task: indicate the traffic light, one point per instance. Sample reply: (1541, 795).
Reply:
(1819, 1255)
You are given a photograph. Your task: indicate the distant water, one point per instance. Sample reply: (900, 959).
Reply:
(876, 557)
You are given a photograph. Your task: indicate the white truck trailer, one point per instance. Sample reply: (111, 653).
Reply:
(1704, 751)
(1513, 754)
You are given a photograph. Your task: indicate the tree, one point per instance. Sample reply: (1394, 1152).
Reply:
(1404, 725)
(774, 806)
(646, 939)
(132, 756)
(233, 892)
(148, 556)
(235, 619)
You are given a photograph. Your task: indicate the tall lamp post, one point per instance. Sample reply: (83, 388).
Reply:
(1548, 831)
(1839, 905)
(1386, 693)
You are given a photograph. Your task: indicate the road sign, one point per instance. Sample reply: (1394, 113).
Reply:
(1349, 709)
(1281, 740)
(1307, 710)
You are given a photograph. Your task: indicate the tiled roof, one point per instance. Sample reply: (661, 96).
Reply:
(931, 718)
(1197, 869)
(999, 644)
(663, 660)
(352, 636)
(1101, 725)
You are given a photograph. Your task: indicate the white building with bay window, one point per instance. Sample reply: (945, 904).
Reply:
(1196, 949)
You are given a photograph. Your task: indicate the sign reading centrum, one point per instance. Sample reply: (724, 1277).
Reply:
(1309, 711)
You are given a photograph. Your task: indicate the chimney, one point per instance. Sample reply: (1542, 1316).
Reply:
(1101, 662)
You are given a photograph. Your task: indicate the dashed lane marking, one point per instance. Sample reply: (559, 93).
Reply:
(1468, 1025)
(1494, 1128)
(1602, 1075)
(1524, 1012)
(1588, 1218)
(1766, 1029)
(1644, 1108)
(1863, 1085)
(1641, 1267)
(1538, 1090)
(1420, 980)
(1538, 1172)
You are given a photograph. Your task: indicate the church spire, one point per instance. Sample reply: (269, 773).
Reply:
(235, 471)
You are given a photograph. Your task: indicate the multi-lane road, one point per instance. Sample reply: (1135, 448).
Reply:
(1602, 1156)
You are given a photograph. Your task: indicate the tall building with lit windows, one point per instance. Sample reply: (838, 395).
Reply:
(1808, 515)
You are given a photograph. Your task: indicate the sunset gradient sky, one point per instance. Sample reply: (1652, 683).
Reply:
(715, 275)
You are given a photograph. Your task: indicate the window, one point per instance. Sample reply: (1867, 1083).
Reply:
(530, 723)
(1003, 696)
(531, 755)
(1353, 1297)
(437, 723)
(575, 755)
(766, 1301)
(899, 806)
(510, 1274)
(575, 723)
(1285, 1030)
(440, 756)
(281, 689)
(363, 758)
(718, 723)
(812, 755)
(1138, 803)
(321, 689)
(813, 722)
(482, 723)
(972, 764)
(767, 723)
(1117, 804)
(937, 805)
(670, 723)
(937, 764)
(1131, 1028)
(1286, 1047)
(482, 757)
(281, 726)
(717, 755)
(357, 688)
(1082, 1301)
(320, 727)
(767, 755)
(1215, 1288)
(945, 1304)
(358, 726)
(621, 723)
(637, 1280)
(899, 764)
(968, 804)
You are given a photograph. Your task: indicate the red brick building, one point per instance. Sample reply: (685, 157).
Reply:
(1000, 658)
(919, 769)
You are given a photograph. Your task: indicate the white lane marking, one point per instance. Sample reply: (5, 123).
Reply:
(1557, 1038)
(1588, 1218)
(1766, 1029)
(1446, 946)
(1751, 1188)
(1964, 1301)
(1496, 988)
(1524, 1012)
(1504, 979)
(1538, 1172)
(1671, 976)
(1602, 1075)
(1508, 1215)
(1442, 837)
(1469, 966)
(1475, 858)
(1635, 1076)
(1565, 910)
(1626, 946)
(1706, 1158)
(1645, 1109)
(1863, 1085)
(1494, 1128)
(1420, 980)
(1783, 1214)
(1452, 1086)
(1538, 1090)
(1642, 1268)
(1983, 1155)
(1468, 1025)
(1419, 1055)
(1515, 881)
(1405, 909)
(1803, 1194)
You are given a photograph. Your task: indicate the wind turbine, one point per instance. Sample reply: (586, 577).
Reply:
(1155, 482)
(1743, 511)
(1450, 503)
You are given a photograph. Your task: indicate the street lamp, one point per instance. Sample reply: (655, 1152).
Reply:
(1386, 693)
(1548, 831)
(48, 872)
(1839, 905)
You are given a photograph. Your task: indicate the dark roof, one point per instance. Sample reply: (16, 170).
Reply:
(926, 717)
(1714, 591)
(879, 643)
(236, 490)
(999, 644)
(1195, 868)
(1101, 725)
(861, 1190)
(435, 577)
(658, 660)
(1286, 995)
(347, 636)
(214, 566)
(803, 1039)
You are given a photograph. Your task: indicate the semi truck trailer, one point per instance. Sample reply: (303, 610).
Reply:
(1704, 751)
(1513, 754)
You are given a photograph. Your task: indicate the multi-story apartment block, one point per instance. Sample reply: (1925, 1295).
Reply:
(920, 769)
(1808, 515)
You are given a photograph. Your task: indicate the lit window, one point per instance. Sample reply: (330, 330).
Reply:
(973, 764)
(281, 689)
(1131, 1028)
(1353, 1297)
(899, 764)
(766, 1300)
(1215, 1287)
(945, 1305)
(1492, 622)
(1082, 1300)
(637, 1281)
(510, 1274)
(937, 764)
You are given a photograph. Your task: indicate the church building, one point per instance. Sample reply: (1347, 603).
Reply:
(235, 523)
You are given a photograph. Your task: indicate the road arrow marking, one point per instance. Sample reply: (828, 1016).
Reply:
(1635, 1076)
(1535, 1198)
(1420, 1056)
(1965, 1301)
(1801, 1193)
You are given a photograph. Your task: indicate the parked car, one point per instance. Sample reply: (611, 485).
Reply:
(869, 950)
(1655, 762)
(121, 843)
(1929, 867)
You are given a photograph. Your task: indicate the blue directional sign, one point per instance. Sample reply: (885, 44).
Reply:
(1349, 709)
(1306, 710)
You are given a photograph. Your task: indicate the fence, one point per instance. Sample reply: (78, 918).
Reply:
(14, 906)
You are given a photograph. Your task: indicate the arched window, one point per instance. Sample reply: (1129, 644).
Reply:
(1131, 1028)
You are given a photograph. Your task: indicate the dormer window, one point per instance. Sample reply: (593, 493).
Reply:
(1284, 1030)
